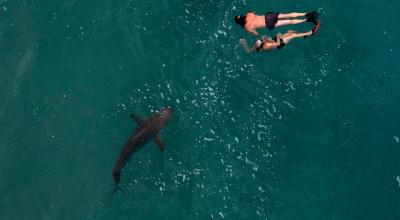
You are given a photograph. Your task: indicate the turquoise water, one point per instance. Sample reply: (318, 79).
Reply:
(308, 132)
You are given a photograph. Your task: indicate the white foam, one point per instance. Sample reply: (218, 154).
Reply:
(259, 135)
(262, 126)
(398, 180)
(287, 103)
(255, 166)
(269, 113)
(208, 139)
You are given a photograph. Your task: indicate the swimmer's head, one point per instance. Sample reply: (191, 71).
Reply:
(240, 20)
(258, 45)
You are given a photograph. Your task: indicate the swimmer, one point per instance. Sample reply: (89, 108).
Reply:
(251, 22)
(278, 42)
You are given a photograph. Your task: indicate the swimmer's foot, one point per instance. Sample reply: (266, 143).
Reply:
(314, 30)
(305, 37)
(312, 17)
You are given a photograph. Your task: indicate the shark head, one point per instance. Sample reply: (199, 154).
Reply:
(164, 115)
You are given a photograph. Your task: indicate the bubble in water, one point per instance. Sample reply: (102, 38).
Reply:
(398, 180)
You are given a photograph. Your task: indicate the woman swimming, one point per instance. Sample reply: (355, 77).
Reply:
(278, 42)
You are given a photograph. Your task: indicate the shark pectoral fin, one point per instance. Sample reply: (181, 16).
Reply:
(159, 142)
(138, 119)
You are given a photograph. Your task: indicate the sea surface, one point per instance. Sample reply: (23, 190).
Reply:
(311, 131)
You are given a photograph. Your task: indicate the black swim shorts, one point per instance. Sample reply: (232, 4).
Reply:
(270, 20)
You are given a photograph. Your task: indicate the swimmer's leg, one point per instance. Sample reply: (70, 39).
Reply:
(288, 22)
(312, 17)
(290, 36)
(291, 15)
(292, 31)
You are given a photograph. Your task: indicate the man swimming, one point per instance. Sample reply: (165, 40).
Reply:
(251, 22)
(278, 42)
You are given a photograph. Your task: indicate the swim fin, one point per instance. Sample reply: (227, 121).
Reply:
(312, 17)
(314, 30)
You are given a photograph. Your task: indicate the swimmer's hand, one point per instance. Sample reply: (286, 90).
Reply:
(278, 37)
(253, 32)
(267, 39)
(243, 42)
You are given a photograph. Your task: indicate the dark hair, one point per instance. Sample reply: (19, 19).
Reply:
(240, 20)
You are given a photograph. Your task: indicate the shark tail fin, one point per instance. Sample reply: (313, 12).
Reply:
(159, 142)
(137, 118)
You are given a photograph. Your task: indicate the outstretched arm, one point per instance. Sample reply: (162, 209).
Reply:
(246, 47)
(267, 39)
(278, 41)
(254, 32)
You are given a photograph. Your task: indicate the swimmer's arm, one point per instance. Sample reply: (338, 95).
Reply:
(243, 42)
(264, 38)
(253, 32)
(268, 39)
(268, 48)
(278, 38)
(278, 41)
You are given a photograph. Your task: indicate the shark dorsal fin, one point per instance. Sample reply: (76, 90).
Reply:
(137, 118)
(159, 142)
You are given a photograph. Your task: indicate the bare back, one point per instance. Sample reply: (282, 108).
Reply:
(254, 22)
(269, 46)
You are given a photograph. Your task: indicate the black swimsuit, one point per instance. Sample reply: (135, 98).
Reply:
(271, 19)
(282, 43)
